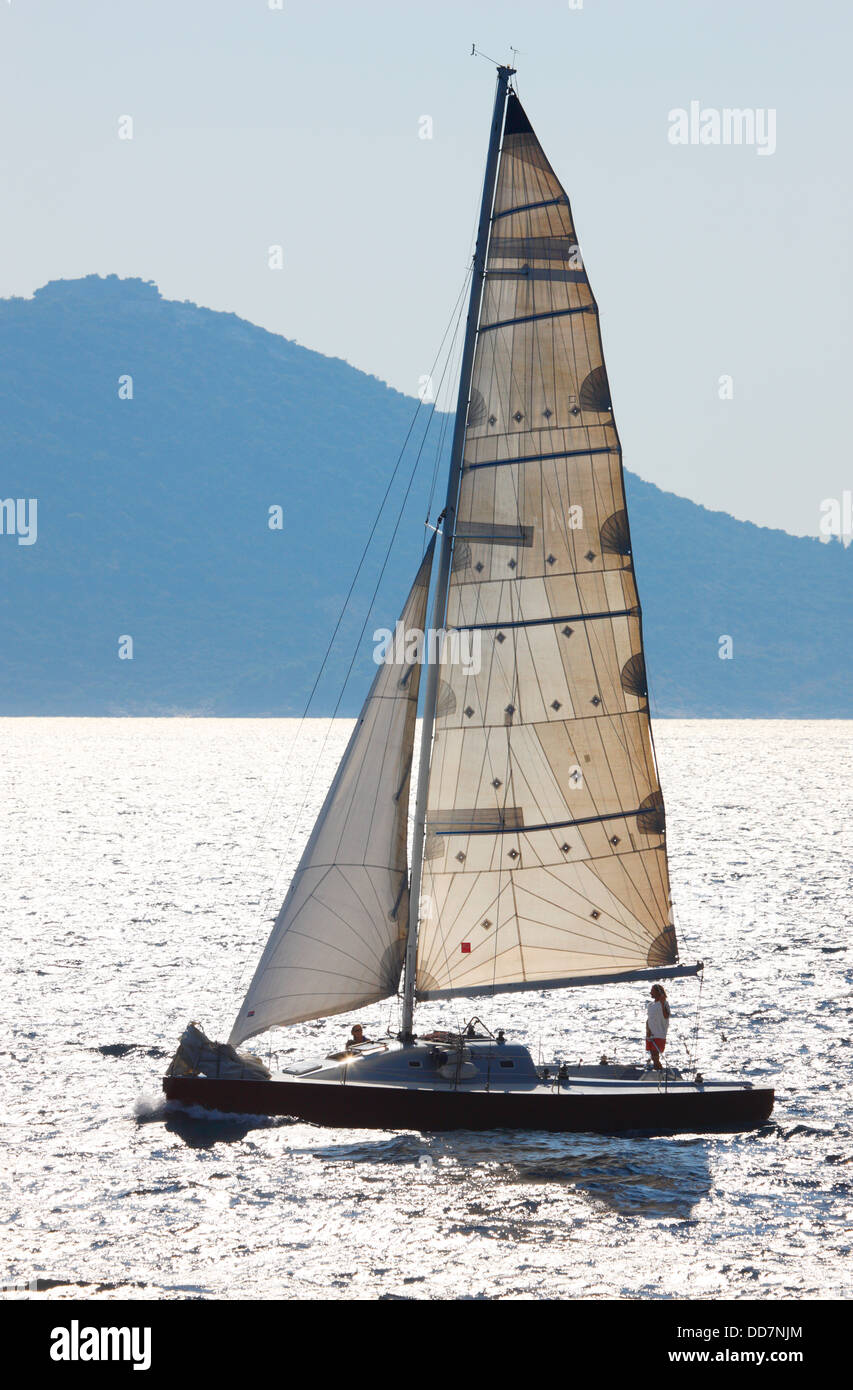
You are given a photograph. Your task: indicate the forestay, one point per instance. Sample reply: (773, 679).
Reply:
(339, 938)
(545, 854)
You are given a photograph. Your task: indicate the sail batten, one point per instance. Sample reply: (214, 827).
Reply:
(544, 854)
(530, 207)
(339, 938)
(540, 458)
(547, 825)
(546, 622)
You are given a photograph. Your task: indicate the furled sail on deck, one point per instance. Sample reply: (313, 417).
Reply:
(544, 856)
(339, 938)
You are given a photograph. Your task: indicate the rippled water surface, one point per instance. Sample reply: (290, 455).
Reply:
(139, 873)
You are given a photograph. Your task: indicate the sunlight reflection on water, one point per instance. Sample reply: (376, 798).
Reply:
(133, 865)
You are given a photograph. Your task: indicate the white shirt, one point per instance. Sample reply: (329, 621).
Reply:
(656, 1019)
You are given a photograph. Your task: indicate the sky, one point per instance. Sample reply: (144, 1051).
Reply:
(722, 273)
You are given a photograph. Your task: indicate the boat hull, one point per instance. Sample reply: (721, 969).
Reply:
(693, 1109)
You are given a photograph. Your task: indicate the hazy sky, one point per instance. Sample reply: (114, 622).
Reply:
(299, 126)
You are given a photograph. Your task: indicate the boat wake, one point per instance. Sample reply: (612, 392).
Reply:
(402, 1148)
(151, 1105)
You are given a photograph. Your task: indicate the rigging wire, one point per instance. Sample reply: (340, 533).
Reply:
(453, 322)
(694, 1060)
(368, 542)
(446, 415)
(389, 547)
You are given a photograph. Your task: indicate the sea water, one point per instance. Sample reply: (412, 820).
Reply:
(142, 864)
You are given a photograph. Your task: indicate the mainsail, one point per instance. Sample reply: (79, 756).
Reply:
(544, 854)
(339, 938)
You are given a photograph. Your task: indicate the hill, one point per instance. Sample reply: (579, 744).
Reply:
(153, 523)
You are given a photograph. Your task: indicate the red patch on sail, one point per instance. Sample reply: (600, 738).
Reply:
(466, 948)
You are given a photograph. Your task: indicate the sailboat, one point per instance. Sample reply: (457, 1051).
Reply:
(539, 849)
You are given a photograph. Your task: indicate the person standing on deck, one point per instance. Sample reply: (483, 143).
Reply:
(657, 1024)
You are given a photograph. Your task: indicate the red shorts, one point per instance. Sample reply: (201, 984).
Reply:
(659, 1044)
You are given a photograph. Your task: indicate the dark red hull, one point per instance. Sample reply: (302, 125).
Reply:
(357, 1106)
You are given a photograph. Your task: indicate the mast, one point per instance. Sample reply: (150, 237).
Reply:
(440, 600)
